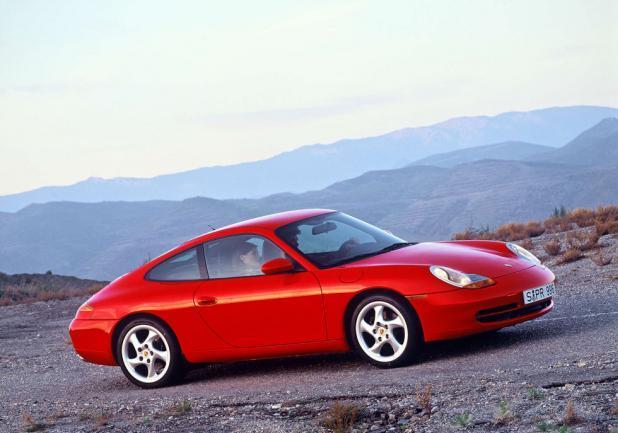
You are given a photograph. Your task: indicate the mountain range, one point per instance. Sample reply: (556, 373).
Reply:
(418, 202)
(317, 166)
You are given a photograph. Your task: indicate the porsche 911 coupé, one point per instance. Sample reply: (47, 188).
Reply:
(304, 282)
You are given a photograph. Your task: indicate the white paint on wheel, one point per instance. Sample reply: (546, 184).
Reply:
(145, 353)
(382, 324)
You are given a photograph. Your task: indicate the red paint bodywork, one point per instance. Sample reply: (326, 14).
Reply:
(305, 312)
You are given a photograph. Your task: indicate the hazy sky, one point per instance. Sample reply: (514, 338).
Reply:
(140, 88)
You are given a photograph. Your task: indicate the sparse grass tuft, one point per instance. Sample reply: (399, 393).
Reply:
(464, 419)
(571, 255)
(543, 426)
(504, 414)
(552, 247)
(535, 393)
(30, 424)
(340, 418)
(423, 397)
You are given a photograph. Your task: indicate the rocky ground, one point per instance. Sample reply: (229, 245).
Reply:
(558, 373)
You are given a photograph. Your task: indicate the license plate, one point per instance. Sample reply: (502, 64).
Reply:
(539, 293)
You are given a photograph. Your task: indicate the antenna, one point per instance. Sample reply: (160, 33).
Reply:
(211, 227)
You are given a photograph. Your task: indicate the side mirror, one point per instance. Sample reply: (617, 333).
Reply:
(277, 266)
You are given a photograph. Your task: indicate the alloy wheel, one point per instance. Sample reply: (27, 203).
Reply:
(381, 331)
(145, 353)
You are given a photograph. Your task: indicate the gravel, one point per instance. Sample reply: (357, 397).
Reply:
(519, 379)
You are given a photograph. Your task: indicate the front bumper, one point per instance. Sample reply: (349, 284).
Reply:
(92, 340)
(462, 312)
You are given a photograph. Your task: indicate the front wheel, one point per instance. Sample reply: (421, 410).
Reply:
(385, 331)
(148, 354)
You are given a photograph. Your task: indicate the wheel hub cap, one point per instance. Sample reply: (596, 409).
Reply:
(381, 331)
(145, 353)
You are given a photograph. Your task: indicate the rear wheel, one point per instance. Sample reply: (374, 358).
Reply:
(385, 331)
(148, 354)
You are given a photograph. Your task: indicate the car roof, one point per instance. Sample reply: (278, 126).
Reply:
(269, 222)
(276, 220)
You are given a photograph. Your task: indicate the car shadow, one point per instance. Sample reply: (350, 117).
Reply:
(275, 366)
(507, 338)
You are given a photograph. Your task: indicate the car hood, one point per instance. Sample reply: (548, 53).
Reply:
(491, 259)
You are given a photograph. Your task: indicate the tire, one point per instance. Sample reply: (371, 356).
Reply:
(392, 341)
(156, 361)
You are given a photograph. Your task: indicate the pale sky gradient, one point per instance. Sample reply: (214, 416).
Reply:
(140, 88)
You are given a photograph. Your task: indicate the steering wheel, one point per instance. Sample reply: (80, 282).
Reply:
(347, 246)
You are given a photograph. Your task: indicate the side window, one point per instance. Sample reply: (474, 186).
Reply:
(181, 267)
(239, 256)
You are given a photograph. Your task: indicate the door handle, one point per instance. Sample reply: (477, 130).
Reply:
(206, 300)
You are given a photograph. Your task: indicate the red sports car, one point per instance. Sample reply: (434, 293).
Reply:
(303, 282)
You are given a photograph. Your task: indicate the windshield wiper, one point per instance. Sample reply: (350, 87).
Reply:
(392, 247)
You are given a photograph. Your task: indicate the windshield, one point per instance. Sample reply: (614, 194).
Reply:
(336, 238)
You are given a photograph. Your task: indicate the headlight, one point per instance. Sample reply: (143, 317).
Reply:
(523, 253)
(460, 279)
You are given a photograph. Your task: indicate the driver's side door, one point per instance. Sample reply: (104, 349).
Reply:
(249, 309)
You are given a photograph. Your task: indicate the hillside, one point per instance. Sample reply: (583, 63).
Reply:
(297, 170)
(23, 288)
(508, 150)
(595, 146)
(104, 240)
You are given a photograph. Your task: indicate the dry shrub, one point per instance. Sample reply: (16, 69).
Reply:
(472, 233)
(570, 417)
(571, 255)
(423, 397)
(583, 241)
(551, 224)
(581, 217)
(510, 232)
(518, 231)
(600, 259)
(605, 228)
(603, 218)
(340, 418)
(467, 234)
(606, 213)
(534, 229)
(30, 424)
(552, 247)
(565, 226)
(506, 232)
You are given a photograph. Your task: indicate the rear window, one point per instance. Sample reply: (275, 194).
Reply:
(181, 267)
